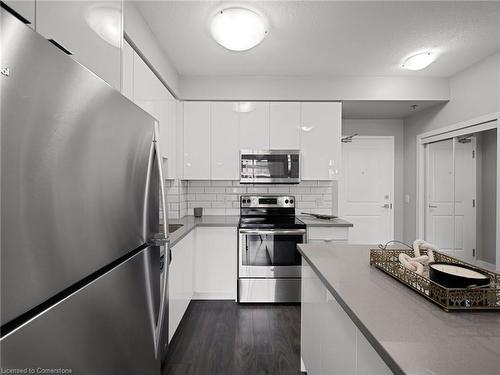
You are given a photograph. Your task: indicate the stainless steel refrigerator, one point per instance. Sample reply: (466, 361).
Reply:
(83, 279)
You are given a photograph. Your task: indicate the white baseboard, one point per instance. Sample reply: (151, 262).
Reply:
(213, 296)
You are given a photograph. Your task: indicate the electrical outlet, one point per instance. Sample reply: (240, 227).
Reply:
(407, 198)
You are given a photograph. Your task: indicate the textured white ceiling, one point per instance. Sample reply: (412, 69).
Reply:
(326, 38)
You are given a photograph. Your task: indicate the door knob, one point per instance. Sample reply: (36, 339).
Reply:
(387, 205)
(432, 206)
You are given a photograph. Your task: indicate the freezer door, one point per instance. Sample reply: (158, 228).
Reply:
(105, 328)
(75, 156)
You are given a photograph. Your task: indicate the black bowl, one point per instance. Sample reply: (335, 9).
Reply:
(452, 275)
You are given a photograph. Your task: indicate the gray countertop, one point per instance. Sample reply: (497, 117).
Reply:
(191, 222)
(410, 333)
(313, 222)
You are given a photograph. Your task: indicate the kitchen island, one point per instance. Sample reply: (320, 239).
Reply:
(358, 320)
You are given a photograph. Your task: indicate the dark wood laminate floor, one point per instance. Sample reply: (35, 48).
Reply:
(223, 337)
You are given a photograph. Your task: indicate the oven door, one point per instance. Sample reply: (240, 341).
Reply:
(270, 166)
(269, 253)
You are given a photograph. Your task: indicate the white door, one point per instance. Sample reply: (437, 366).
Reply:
(367, 189)
(439, 220)
(451, 193)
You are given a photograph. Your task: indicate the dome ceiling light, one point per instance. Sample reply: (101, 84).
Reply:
(419, 61)
(238, 29)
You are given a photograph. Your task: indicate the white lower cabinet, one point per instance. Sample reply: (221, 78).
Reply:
(331, 343)
(180, 283)
(215, 263)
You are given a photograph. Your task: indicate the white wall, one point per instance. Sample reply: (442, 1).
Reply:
(313, 88)
(138, 30)
(387, 127)
(473, 92)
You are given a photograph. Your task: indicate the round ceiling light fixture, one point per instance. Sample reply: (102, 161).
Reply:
(419, 61)
(238, 29)
(106, 21)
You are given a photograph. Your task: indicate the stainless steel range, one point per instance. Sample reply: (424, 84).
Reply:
(268, 260)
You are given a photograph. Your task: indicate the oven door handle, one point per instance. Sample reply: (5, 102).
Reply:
(273, 231)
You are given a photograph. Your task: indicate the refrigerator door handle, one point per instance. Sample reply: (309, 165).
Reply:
(163, 242)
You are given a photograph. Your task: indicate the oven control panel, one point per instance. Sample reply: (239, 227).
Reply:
(253, 201)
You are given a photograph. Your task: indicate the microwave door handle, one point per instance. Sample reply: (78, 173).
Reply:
(274, 231)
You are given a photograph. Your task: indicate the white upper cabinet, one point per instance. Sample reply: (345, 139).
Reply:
(254, 126)
(285, 125)
(197, 140)
(69, 24)
(320, 140)
(225, 146)
(25, 9)
(151, 95)
(128, 71)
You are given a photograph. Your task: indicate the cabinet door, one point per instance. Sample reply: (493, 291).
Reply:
(180, 287)
(254, 127)
(197, 140)
(284, 126)
(320, 140)
(215, 263)
(168, 134)
(225, 145)
(313, 295)
(25, 9)
(70, 24)
(128, 71)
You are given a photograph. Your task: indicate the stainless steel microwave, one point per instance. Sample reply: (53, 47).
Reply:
(270, 166)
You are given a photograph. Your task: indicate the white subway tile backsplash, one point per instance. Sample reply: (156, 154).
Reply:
(214, 211)
(311, 197)
(236, 190)
(196, 189)
(221, 183)
(279, 190)
(205, 197)
(215, 190)
(222, 197)
(257, 190)
(199, 204)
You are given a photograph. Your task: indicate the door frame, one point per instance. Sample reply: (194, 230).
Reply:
(477, 124)
(393, 166)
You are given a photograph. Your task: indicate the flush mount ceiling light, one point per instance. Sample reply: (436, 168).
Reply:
(238, 29)
(105, 21)
(419, 61)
